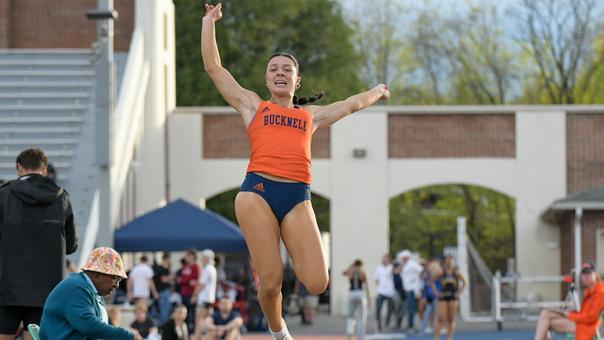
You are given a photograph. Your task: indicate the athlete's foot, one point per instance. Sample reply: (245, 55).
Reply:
(283, 334)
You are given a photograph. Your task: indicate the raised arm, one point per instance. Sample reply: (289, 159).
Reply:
(324, 116)
(244, 101)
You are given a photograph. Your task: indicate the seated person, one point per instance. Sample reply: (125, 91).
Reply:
(176, 328)
(225, 322)
(75, 308)
(143, 324)
(115, 316)
(584, 322)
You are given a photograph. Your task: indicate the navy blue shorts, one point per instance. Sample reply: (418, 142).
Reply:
(280, 196)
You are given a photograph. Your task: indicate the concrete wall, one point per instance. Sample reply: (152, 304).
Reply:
(157, 18)
(541, 179)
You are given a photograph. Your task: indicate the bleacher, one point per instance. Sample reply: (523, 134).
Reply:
(47, 100)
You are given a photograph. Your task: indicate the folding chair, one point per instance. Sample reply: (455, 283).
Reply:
(34, 331)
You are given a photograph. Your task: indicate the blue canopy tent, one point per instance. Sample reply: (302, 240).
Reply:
(179, 226)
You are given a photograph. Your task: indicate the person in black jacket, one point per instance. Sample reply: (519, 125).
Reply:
(36, 232)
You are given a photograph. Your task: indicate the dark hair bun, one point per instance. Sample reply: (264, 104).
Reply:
(309, 99)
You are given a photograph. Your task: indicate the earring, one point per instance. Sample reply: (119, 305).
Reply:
(298, 85)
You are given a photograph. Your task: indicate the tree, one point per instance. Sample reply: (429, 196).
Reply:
(425, 220)
(461, 58)
(559, 34)
(377, 23)
(250, 31)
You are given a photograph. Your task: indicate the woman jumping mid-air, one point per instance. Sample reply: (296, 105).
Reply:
(274, 200)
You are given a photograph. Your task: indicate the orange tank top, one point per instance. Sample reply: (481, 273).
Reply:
(280, 140)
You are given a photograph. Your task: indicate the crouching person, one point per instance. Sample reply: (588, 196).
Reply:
(75, 308)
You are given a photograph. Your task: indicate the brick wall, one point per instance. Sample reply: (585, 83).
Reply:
(584, 151)
(432, 136)
(5, 6)
(592, 222)
(59, 24)
(224, 136)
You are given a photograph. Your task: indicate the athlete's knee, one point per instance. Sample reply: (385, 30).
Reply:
(270, 287)
(317, 284)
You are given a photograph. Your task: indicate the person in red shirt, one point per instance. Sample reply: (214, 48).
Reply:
(274, 201)
(187, 281)
(583, 322)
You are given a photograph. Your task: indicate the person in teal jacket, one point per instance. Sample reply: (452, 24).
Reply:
(75, 308)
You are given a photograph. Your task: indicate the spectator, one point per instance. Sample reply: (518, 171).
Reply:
(143, 324)
(413, 284)
(429, 296)
(400, 296)
(205, 292)
(187, 281)
(385, 290)
(220, 273)
(37, 228)
(310, 302)
(140, 282)
(71, 267)
(163, 282)
(176, 328)
(75, 308)
(357, 300)
(51, 173)
(225, 322)
(115, 316)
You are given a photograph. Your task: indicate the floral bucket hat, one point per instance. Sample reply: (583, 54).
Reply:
(107, 261)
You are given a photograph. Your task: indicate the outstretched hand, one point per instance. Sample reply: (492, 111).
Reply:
(213, 11)
(386, 94)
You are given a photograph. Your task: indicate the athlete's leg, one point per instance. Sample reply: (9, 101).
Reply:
(261, 231)
(451, 314)
(300, 234)
(442, 318)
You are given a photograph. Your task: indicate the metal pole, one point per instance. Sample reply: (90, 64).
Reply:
(497, 300)
(105, 89)
(462, 260)
(578, 216)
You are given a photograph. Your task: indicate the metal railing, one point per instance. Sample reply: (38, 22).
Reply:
(499, 305)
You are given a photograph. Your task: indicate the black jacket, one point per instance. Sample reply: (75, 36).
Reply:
(36, 231)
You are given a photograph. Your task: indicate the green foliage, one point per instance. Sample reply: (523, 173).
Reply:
(224, 204)
(251, 31)
(425, 220)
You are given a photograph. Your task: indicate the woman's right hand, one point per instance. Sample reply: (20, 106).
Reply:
(213, 12)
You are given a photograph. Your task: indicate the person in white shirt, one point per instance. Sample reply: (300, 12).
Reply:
(205, 292)
(385, 291)
(412, 282)
(140, 282)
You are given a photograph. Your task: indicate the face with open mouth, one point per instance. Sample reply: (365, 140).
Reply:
(282, 76)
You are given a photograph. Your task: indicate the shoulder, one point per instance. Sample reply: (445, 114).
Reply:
(311, 108)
